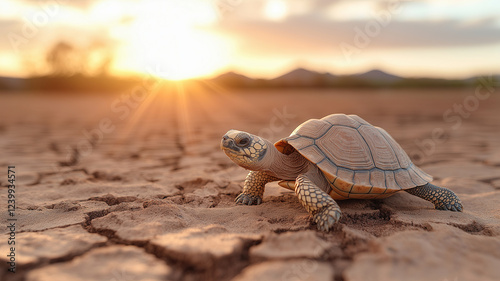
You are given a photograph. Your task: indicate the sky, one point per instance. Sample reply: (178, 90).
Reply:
(179, 39)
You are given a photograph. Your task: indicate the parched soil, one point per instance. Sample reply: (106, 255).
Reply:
(133, 187)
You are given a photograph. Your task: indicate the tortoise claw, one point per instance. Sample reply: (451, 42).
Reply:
(247, 199)
(454, 207)
(327, 217)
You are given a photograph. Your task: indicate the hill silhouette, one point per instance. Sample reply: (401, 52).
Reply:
(297, 78)
(302, 77)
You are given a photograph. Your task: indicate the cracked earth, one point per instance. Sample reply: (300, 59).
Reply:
(153, 198)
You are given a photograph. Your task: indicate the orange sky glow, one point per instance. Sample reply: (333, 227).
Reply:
(177, 39)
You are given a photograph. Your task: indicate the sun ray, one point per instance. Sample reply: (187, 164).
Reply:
(233, 100)
(132, 123)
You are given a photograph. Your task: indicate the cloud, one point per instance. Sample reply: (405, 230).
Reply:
(81, 4)
(8, 27)
(306, 34)
(22, 36)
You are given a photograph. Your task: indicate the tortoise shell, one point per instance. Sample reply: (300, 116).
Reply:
(358, 159)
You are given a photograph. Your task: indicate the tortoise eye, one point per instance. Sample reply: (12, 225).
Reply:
(243, 141)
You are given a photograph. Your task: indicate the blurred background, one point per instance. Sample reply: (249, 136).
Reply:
(167, 71)
(112, 109)
(322, 43)
(89, 75)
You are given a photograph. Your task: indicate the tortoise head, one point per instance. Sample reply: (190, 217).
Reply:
(244, 149)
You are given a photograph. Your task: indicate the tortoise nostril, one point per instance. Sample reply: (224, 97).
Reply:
(227, 142)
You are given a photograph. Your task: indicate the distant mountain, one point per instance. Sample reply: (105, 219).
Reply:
(303, 77)
(489, 79)
(76, 83)
(378, 76)
(297, 78)
(233, 79)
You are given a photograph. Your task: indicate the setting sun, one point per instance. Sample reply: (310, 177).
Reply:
(164, 37)
(275, 10)
(182, 39)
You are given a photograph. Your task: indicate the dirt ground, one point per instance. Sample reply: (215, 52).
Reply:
(135, 187)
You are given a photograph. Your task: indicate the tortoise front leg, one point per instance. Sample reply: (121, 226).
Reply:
(253, 188)
(442, 198)
(318, 203)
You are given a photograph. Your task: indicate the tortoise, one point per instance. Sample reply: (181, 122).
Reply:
(334, 158)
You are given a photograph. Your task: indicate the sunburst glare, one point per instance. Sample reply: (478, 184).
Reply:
(165, 35)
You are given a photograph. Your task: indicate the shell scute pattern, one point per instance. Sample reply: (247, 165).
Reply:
(419, 178)
(378, 190)
(403, 178)
(382, 154)
(403, 159)
(356, 154)
(319, 128)
(314, 153)
(342, 119)
(377, 177)
(391, 180)
(337, 191)
(306, 142)
(362, 176)
(347, 177)
(359, 160)
(359, 119)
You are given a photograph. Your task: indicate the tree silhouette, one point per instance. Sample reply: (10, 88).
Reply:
(63, 59)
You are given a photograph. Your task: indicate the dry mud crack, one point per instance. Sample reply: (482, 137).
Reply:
(156, 201)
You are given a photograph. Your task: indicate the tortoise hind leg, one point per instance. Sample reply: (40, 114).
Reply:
(318, 203)
(442, 198)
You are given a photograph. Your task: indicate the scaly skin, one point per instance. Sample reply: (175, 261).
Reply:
(253, 188)
(258, 155)
(319, 204)
(442, 198)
